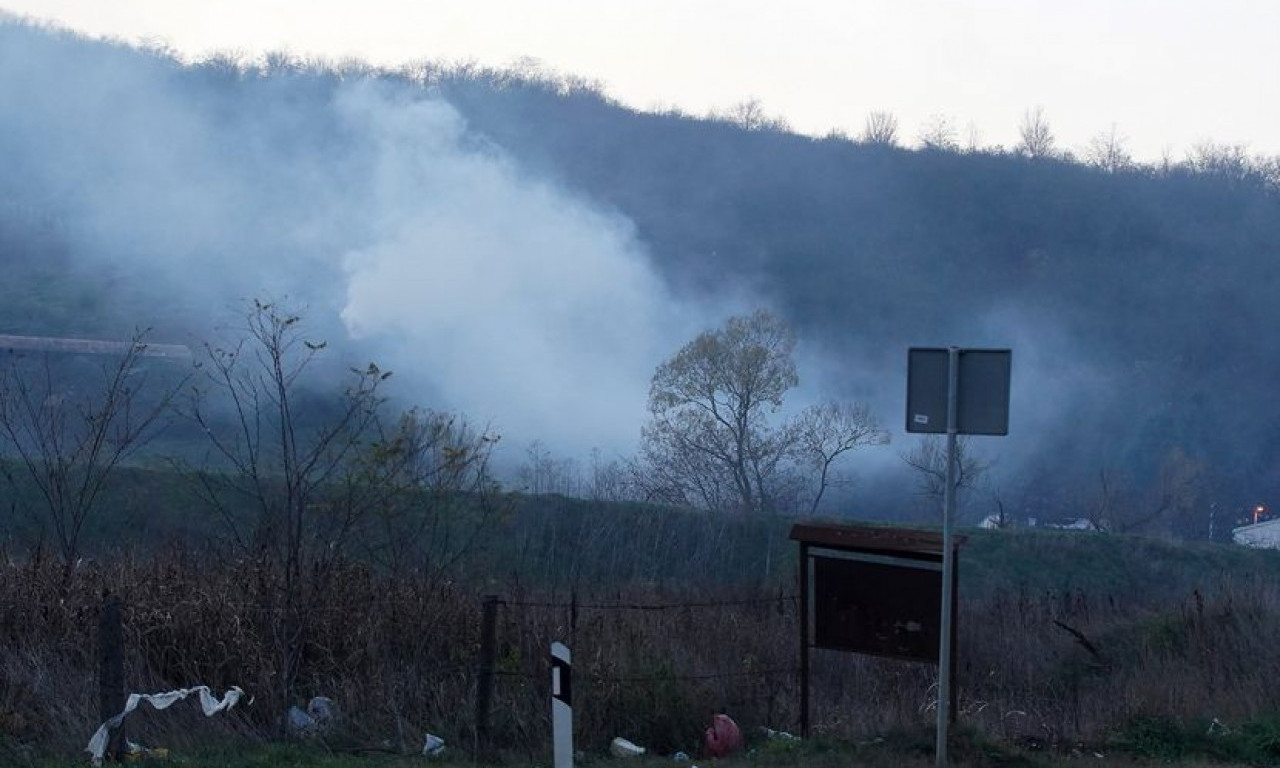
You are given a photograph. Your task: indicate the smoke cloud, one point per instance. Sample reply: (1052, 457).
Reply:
(514, 298)
(409, 238)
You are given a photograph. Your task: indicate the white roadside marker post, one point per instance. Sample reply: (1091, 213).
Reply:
(561, 706)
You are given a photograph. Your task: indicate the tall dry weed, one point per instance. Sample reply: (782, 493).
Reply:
(652, 663)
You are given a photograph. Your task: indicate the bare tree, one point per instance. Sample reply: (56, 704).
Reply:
(671, 470)
(750, 115)
(535, 473)
(973, 138)
(542, 472)
(1037, 138)
(1229, 162)
(881, 129)
(827, 431)
(1269, 170)
(608, 481)
(1002, 519)
(68, 442)
(1172, 495)
(1109, 152)
(1105, 503)
(1116, 506)
(938, 133)
(929, 459)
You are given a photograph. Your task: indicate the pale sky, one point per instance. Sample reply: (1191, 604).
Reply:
(1167, 74)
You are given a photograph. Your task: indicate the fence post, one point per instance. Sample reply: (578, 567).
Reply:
(111, 670)
(804, 640)
(573, 618)
(484, 673)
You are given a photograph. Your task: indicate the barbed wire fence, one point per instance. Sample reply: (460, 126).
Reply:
(630, 653)
(673, 659)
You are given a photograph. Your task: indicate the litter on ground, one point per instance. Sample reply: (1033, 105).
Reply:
(620, 747)
(433, 746)
(723, 737)
(209, 704)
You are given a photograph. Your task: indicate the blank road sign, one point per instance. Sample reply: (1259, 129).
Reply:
(982, 403)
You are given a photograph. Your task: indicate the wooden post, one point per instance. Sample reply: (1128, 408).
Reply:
(484, 673)
(111, 671)
(804, 640)
(573, 618)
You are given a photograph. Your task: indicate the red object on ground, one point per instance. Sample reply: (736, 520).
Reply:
(723, 737)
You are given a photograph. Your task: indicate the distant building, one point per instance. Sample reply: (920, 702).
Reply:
(1079, 524)
(1264, 535)
(994, 521)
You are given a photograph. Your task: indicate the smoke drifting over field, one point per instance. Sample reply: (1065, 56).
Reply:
(408, 238)
(526, 252)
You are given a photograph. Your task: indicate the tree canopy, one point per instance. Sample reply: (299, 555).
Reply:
(711, 440)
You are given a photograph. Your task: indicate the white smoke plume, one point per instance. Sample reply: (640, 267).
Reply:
(410, 239)
(515, 299)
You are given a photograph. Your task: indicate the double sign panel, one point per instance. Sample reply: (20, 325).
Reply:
(982, 399)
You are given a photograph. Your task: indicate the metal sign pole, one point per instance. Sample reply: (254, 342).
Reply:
(948, 556)
(561, 706)
(934, 381)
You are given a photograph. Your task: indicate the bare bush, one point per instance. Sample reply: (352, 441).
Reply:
(291, 483)
(881, 129)
(1037, 137)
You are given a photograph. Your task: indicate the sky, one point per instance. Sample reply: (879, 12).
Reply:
(1165, 74)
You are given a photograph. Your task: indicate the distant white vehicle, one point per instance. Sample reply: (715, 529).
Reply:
(1264, 535)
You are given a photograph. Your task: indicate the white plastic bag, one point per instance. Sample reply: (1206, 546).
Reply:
(433, 747)
(209, 704)
(620, 747)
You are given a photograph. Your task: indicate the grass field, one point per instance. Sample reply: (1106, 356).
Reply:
(1128, 644)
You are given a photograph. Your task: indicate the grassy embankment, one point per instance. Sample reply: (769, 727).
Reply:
(1069, 642)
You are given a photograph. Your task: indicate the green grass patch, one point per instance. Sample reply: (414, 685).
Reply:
(1103, 564)
(1256, 742)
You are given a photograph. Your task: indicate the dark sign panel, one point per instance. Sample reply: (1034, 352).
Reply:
(874, 590)
(982, 402)
(879, 607)
(561, 680)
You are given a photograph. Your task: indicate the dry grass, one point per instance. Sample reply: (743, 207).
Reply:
(1046, 670)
